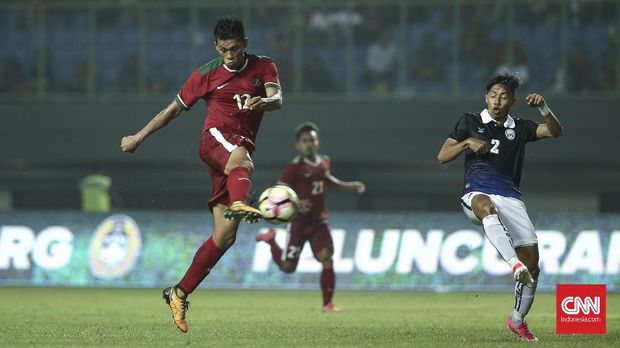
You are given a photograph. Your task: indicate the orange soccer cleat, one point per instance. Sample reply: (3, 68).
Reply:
(240, 211)
(178, 307)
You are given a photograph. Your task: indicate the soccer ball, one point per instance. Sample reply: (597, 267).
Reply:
(278, 204)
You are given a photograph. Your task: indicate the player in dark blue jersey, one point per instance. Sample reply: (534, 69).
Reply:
(494, 146)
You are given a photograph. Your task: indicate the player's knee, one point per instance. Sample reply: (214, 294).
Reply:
(243, 164)
(483, 207)
(489, 209)
(249, 165)
(534, 270)
(289, 267)
(225, 242)
(325, 257)
(485, 210)
(328, 263)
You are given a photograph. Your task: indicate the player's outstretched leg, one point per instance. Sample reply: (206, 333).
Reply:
(178, 305)
(269, 237)
(239, 210)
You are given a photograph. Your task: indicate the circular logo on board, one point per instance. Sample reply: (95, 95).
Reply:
(510, 134)
(115, 247)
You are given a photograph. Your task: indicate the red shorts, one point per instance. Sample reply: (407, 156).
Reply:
(316, 232)
(215, 149)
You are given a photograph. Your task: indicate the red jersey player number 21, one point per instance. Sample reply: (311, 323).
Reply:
(238, 88)
(310, 176)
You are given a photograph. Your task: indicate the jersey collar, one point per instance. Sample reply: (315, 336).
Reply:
(486, 118)
(314, 164)
(240, 69)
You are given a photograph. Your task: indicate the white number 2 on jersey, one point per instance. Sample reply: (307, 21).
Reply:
(495, 148)
(244, 104)
(317, 187)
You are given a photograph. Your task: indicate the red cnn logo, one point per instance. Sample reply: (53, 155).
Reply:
(580, 308)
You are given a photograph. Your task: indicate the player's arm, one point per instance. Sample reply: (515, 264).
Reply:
(273, 101)
(288, 176)
(356, 186)
(130, 143)
(452, 148)
(551, 127)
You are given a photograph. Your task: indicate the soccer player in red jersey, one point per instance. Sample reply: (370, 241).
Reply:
(238, 88)
(309, 175)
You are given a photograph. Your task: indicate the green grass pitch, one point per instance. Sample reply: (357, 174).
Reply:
(219, 318)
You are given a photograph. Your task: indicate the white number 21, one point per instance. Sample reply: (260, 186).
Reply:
(495, 148)
(317, 187)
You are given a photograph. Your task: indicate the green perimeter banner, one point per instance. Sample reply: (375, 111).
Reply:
(373, 251)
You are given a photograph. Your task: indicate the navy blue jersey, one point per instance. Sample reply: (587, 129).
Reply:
(499, 171)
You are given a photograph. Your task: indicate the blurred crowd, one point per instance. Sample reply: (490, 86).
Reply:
(371, 48)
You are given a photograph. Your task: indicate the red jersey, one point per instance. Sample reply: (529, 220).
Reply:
(309, 179)
(227, 92)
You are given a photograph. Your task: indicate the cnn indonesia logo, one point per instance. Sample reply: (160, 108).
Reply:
(580, 308)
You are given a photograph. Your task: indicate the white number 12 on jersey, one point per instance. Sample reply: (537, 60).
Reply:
(495, 148)
(244, 104)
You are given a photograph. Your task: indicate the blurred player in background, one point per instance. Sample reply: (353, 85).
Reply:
(238, 88)
(494, 146)
(309, 175)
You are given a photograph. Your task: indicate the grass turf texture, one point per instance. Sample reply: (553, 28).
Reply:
(139, 317)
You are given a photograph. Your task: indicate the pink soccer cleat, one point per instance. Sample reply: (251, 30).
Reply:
(522, 331)
(266, 236)
(521, 273)
(330, 308)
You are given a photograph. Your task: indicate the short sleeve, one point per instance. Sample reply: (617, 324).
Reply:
(529, 130)
(288, 177)
(328, 164)
(461, 130)
(270, 75)
(192, 90)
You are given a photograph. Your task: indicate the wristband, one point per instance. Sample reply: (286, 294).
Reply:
(275, 97)
(544, 110)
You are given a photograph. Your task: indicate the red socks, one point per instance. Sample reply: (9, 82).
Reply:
(328, 283)
(239, 184)
(276, 252)
(205, 258)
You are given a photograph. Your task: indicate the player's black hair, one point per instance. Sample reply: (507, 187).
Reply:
(306, 127)
(229, 27)
(511, 82)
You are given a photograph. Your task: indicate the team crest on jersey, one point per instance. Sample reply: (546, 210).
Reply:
(256, 81)
(480, 130)
(510, 134)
